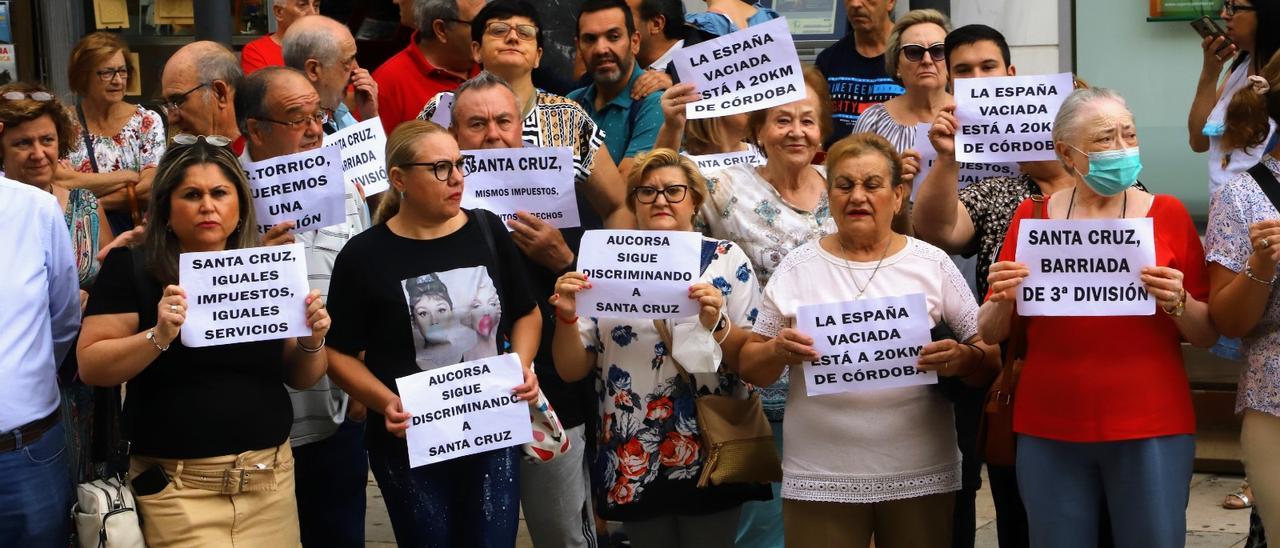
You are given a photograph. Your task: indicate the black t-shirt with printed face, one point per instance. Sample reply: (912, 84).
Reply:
(412, 305)
(194, 402)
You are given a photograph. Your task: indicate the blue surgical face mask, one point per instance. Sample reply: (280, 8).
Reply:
(1112, 171)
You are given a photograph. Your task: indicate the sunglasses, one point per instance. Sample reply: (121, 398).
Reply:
(41, 96)
(915, 52)
(189, 139)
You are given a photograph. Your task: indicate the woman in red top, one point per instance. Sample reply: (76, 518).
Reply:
(1104, 407)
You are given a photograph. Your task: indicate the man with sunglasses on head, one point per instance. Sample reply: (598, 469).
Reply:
(854, 66)
(198, 87)
(325, 51)
(437, 59)
(266, 51)
(281, 113)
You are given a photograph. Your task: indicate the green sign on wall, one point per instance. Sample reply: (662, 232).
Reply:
(1185, 8)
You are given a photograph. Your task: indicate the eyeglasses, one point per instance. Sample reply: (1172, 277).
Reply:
(189, 139)
(915, 52)
(40, 96)
(441, 169)
(321, 117)
(174, 102)
(648, 195)
(107, 75)
(1232, 8)
(501, 30)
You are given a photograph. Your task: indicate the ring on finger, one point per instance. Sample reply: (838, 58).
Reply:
(173, 309)
(1266, 243)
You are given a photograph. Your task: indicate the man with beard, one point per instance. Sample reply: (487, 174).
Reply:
(608, 42)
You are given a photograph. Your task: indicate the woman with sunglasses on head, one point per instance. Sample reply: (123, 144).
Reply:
(649, 453)
(210, 460)
(35, 134)
(118, 144)
(422, 289)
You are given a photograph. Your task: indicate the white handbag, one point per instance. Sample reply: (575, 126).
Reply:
(106, 515)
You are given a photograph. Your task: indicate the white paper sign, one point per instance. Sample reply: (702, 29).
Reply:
(642, 274)
(1008, 118)
(708, 163)
(1087, 267)
(306, 187)
(752, 69)
(363, 147)
(970, 173)
(536, 180)
(244, 295)
(444, 109)
(867, 344)
(464, 409)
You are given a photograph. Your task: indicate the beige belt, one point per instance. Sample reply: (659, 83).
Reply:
(248, 472)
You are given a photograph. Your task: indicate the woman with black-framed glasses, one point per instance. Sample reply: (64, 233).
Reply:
(428, 286)
(649, 451)
(119, 144)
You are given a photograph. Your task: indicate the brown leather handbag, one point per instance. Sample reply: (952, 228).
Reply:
(996, 439)
(736, 434)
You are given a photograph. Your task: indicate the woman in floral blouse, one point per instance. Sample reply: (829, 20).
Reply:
(648, 453)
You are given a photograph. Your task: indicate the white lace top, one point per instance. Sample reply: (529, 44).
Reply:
(875, 446)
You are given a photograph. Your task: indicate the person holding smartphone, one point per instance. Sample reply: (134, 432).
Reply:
(1248, 40)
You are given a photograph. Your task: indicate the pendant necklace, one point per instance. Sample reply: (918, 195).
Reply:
(845, 255)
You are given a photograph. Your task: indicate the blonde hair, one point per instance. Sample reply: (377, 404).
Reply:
(91, 51)
(911, 19)
(861, 144)
(1248, 112)
(401, 147)
(664, 157)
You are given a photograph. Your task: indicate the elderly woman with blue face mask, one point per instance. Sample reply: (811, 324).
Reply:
(1106, 410)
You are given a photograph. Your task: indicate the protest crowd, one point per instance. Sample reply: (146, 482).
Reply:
(695, 296)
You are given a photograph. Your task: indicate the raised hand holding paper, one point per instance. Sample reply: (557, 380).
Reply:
(752, 69)
(305, 187)
(244, 295)
(537, 180)
(1008, 118)
(464, 409)
(1087, 267)
(363, 147)
(867, 344)
(642, 274)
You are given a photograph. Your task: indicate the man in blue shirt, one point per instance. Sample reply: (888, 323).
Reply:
(608, 42)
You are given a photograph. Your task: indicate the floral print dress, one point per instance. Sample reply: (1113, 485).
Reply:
(138, 146)
(648, 453)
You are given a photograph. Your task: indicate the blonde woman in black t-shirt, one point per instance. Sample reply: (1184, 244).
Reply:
(209, 426)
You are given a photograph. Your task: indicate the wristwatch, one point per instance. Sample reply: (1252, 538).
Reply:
(151, 336)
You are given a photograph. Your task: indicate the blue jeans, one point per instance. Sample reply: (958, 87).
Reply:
(1064, 483)
(471, 501)
(35, 494)
(330, 477)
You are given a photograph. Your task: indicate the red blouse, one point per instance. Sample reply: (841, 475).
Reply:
(1091, 379)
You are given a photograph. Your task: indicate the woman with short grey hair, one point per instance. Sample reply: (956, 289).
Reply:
(1097, 420)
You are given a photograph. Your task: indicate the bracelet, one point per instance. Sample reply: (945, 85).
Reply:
(151, 336)
(570, 321)
(728, 327)
(1179, 308)
(1248, 272)
(304, 348)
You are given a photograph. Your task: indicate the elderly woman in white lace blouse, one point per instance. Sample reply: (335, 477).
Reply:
(881, 458)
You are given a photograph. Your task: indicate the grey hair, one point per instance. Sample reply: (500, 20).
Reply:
(220, 64)
(1071, 115)
(479, 82)
(251, 96)
(426, 12)
(911, 19)
(313, 42)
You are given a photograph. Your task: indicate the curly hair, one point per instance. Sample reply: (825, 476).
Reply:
(14, 113)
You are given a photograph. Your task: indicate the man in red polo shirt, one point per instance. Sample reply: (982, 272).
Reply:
(265, 51)
(438, 59)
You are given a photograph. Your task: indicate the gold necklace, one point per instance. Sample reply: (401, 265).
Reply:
(844, 255)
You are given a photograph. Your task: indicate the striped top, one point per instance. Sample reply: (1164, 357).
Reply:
(876, 119)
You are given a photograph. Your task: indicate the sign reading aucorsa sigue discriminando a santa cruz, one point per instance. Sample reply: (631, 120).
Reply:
(643, 274)
(752, 69)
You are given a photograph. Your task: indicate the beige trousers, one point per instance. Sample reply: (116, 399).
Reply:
(1260, 442)
(244, 500)
(919, 522)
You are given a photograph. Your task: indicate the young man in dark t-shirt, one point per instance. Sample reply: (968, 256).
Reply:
(854, 66)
